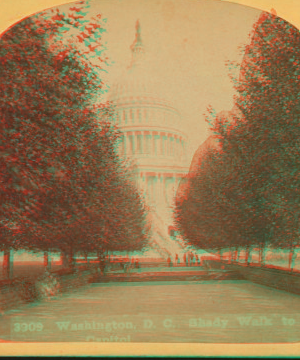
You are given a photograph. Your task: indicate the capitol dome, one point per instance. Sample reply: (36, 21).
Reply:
(140, 106)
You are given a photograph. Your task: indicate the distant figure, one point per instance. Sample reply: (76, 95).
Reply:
(176, 259)
(137, 265)
(169, 261)
(193, 259)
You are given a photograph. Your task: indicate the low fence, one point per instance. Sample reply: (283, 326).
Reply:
(279, 279)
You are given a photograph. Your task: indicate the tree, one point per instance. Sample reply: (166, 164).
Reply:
(58, 160)
(268, 127)
(255, 176)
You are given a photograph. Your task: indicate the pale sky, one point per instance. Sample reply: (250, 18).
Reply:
(187, 43)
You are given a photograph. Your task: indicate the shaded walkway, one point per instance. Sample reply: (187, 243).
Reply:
(207, 311)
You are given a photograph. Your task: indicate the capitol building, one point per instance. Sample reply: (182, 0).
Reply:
(153, 141)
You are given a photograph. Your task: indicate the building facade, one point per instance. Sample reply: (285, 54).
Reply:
(152, 140)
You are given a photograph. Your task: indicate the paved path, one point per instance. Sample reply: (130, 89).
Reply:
(208, 311)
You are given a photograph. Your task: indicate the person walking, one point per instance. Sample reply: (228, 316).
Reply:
(137, 265)
(169, 261)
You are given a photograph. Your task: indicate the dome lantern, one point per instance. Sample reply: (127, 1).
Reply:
(137, 48)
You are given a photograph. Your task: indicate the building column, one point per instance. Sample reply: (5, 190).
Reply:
(143, 133)
(178, 147)
(164, 189)
(147, 189)
(124, 144)
(174, 187)
(142, 142)
(159, 188)
(177, 179)
(134, 137)
(181, 148)
(169, 147)
(161, 144)
(172, 148)
(126, 138)
(153, 143)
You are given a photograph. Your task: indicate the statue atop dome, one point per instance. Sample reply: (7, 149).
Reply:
(137, 48)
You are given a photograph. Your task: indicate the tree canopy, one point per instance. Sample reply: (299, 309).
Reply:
(63, 186)
(246, 191)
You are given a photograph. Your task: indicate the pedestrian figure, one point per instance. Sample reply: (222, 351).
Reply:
(137, 265)
(194, 257)
(169, 261)
(176, 259)
(125, 266)
(129, 267)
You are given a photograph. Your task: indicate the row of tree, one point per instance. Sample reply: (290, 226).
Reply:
(246, 190)
(62, 184)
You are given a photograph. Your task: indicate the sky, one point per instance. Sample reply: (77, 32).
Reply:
(187, 43)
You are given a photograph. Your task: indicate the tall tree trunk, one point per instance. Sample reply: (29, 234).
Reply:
(235, 253)
(262, 254)
(47, 260)
(247, 256)
(64, 259)
(71, 259)
(7, 264)
(292, 257)
(99, 258)
(238, 254)
(230, 256)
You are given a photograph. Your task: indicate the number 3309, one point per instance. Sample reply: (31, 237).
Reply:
(23, 327)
